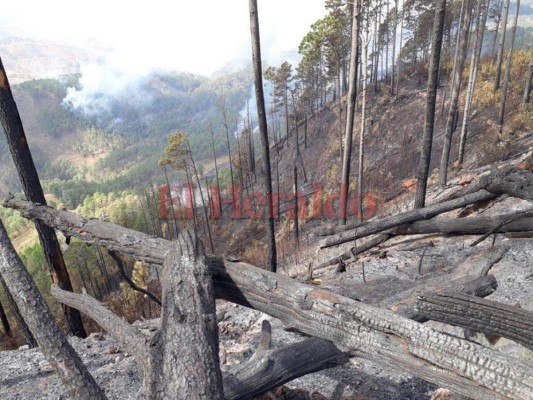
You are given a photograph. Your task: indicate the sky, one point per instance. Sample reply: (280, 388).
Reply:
(184, 35)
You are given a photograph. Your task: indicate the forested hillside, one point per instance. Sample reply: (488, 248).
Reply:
(117, 147)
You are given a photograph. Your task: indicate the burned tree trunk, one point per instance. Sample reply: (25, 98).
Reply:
(20, 151)
(432, 86)
(5, 322)
(181, 359)
(350, 111)
(184, 353)
(53, 344)
(460, 57)
(23, 326)
(263, 133)
(268, 369)
(366, 331)
(479, 315)
(383, 224)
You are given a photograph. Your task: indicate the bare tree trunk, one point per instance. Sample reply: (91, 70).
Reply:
(455, 91)
(5, 322)
(53, 344)
(350, 113)
(263, 130)
(427, 138)
(400, 52)
(20, 151)
(474, 64)
(296, 198)
(269, 369)
(226, 127)
(23, 326)
(501, 47)
(508, 69)
(498, 19)
(364, 50)
(380, 225)
(529, 81)
(366, 331)
(395, 26)
(174, 218)
(206, 212)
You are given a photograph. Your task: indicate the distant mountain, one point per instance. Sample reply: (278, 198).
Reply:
(28, 59)
(118, 148)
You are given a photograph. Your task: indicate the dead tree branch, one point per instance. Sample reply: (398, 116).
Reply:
(268, 369)
(366, 331)
(129, 281)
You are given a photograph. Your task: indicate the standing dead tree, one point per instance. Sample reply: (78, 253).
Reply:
(20, 151)
(429, 124)
(350, 111)
(365, 331)
(263, 133)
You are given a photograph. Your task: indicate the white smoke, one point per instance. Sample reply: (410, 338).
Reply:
(195, 36)
(101, 84)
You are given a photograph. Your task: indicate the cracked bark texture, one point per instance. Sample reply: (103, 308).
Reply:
(184, 353)
(363, 330)
(54, 345)
(479, 315)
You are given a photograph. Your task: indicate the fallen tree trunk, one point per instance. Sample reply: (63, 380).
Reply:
(482, 286)
(354, 251)
(470, 225)
(269, 369)
(394, 221)
(181, 359)
(515, 223)
(479, 315)
(510, 180)
(365, 331)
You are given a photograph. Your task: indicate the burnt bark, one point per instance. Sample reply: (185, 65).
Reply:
(366, 331)
(501, 46)
(480, 315)
(23, 326)
(20, 151)
(268, 369)
(52, 342)
(384, 224)
(181, 359)
(433, 82)
(460, 57)
(529, 82)
(350, 112)
(5, 322)
(263, 133)
(508, 65)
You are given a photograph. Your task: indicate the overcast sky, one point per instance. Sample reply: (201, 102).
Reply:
(186, 35)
